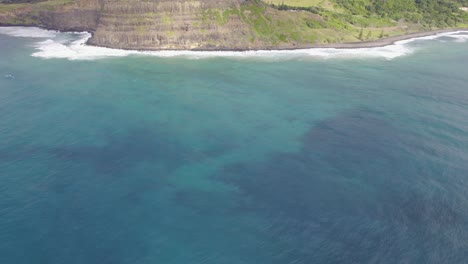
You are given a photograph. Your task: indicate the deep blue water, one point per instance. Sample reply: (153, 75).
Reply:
(234, 160)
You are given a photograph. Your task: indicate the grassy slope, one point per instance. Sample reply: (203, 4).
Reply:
(358, 20)
(329, 25)
(326, 4)
(341, 26)
(334, 21)
(280, 28)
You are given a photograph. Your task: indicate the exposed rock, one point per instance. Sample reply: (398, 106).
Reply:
(80, 15)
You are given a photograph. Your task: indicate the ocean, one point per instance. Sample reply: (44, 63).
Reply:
(267, 157)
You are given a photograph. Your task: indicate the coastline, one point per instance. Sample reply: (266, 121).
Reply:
(77, 46)
(345, 45)
(389, 40)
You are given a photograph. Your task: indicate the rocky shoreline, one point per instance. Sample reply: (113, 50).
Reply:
(390, 40)
(350, 45)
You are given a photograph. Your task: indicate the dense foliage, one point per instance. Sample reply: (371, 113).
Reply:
(427, 13)
(438, 13)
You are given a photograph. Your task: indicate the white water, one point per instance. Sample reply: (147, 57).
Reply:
(72, 46)
(28, 32)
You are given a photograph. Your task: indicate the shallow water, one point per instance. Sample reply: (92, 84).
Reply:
(273, 158)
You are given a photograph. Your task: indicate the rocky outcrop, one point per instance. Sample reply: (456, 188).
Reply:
(73, 20)
(80, 15)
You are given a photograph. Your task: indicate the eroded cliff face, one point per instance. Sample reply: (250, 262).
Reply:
(82, 15)
(79, 15)
(166, 24)
(172, 24)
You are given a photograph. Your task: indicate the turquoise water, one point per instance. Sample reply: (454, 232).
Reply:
(178, 160)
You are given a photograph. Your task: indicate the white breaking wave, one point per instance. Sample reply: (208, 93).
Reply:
(76, 49)
(459, 38)
(459, 35)
(28, 32)
(72, 46)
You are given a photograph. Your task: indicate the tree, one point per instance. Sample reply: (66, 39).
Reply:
(361, 33)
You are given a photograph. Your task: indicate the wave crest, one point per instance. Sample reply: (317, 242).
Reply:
(28, 32)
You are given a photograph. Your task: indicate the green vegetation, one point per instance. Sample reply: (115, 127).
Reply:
(278, 27)
(425, 13)
(325, 4)
(429, 13)
(353, 20)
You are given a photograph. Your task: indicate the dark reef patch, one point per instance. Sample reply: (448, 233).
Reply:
(354, 194)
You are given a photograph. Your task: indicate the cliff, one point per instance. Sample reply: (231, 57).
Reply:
(172, 24)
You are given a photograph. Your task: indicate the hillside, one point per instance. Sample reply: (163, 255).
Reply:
(234, 24)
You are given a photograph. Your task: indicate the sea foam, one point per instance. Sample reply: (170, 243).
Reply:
(78, 50)
(72, 46)
(28, 32)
